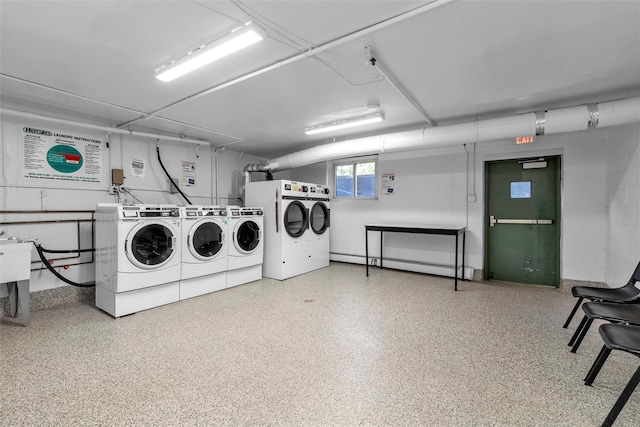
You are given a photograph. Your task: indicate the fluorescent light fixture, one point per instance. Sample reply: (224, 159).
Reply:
(236, 40)
(346, 123)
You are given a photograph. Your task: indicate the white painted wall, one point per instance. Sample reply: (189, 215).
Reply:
(20, 193)
(430, 188)
(314, 174)
(600, 197)
(622, 235)
(600, 202)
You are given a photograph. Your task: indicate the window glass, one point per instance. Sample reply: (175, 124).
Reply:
(151, 245)
(207, 239)
(366, 179)
(295, 219)
(319, 218)
(248, 236)
(344, 181)
(521, 190)
(356, 178)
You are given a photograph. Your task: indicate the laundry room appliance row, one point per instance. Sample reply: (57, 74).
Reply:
(296, 224)
(151, 255)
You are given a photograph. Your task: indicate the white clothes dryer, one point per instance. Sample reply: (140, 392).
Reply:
(318, 203)
(291, 248)
(138, 258)
(204, 250)
(246, 250)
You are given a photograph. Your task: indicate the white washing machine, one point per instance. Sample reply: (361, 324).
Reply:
(291, 247)
(205, 232)
(138, 258)
(245, 256)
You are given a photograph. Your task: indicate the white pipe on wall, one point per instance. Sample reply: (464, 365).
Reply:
(618, 112)
(108, 129)
(569, 119)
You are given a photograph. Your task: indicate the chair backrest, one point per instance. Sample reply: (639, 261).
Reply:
(632, 288)
(635, 277)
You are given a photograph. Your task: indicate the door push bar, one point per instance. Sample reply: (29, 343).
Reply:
(493, 221)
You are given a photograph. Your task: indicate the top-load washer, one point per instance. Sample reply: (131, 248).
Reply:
(291, 247)
(138, 257)
(246, 249)
(204, 249)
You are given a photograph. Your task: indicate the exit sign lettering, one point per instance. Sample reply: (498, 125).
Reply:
(524, 139)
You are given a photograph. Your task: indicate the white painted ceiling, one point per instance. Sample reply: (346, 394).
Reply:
(94, 61)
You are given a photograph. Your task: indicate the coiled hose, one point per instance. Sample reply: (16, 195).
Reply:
(41, 252)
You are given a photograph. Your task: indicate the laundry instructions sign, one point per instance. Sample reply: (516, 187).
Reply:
(51, 154)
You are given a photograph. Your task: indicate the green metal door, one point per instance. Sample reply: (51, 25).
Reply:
(522, 221)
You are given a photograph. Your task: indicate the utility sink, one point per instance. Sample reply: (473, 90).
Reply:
(15, 271)
(15, 260)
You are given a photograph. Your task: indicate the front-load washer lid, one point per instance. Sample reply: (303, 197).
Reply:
(205, 239)
(296, 219)
(247, 235)
(319, 218)
(150, 244)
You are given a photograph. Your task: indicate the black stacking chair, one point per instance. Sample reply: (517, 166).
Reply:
(620, 295)
(612, 312)
(623, 338)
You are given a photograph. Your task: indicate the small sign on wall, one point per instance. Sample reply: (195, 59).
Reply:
(188, 174)
(388, 183)
(137, 168)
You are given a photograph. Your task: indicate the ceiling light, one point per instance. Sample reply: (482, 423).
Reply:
(346, 123)
(237, 39)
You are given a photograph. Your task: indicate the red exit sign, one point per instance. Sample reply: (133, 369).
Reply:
(524, 139)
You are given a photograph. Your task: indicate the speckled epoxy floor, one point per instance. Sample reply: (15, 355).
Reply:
(331, 347)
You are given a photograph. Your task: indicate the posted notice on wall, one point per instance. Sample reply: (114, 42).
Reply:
(188, 174)
(49, 154)
(388, 181)
(137, 168)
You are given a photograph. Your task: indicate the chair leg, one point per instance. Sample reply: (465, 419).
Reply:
(573, 312)
(622, 400)
(597, 365)
(577, 332)
(583, 332)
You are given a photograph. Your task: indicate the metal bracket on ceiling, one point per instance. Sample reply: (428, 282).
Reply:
(540, 122)
(396, 85)
(594, 116)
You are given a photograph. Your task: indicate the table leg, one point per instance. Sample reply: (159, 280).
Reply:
(12, 288)
(381, 233)
(455, 272)
(366, 250)
(23, 291)
(464, 239)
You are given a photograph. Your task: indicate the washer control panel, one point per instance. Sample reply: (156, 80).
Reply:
(149, 211)
(202, 211)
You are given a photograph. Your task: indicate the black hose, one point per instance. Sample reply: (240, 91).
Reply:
(72, 251)
(55, 273)
(169, 176)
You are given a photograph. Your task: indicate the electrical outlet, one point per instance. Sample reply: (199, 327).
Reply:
(123, 189)
(113, 189)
